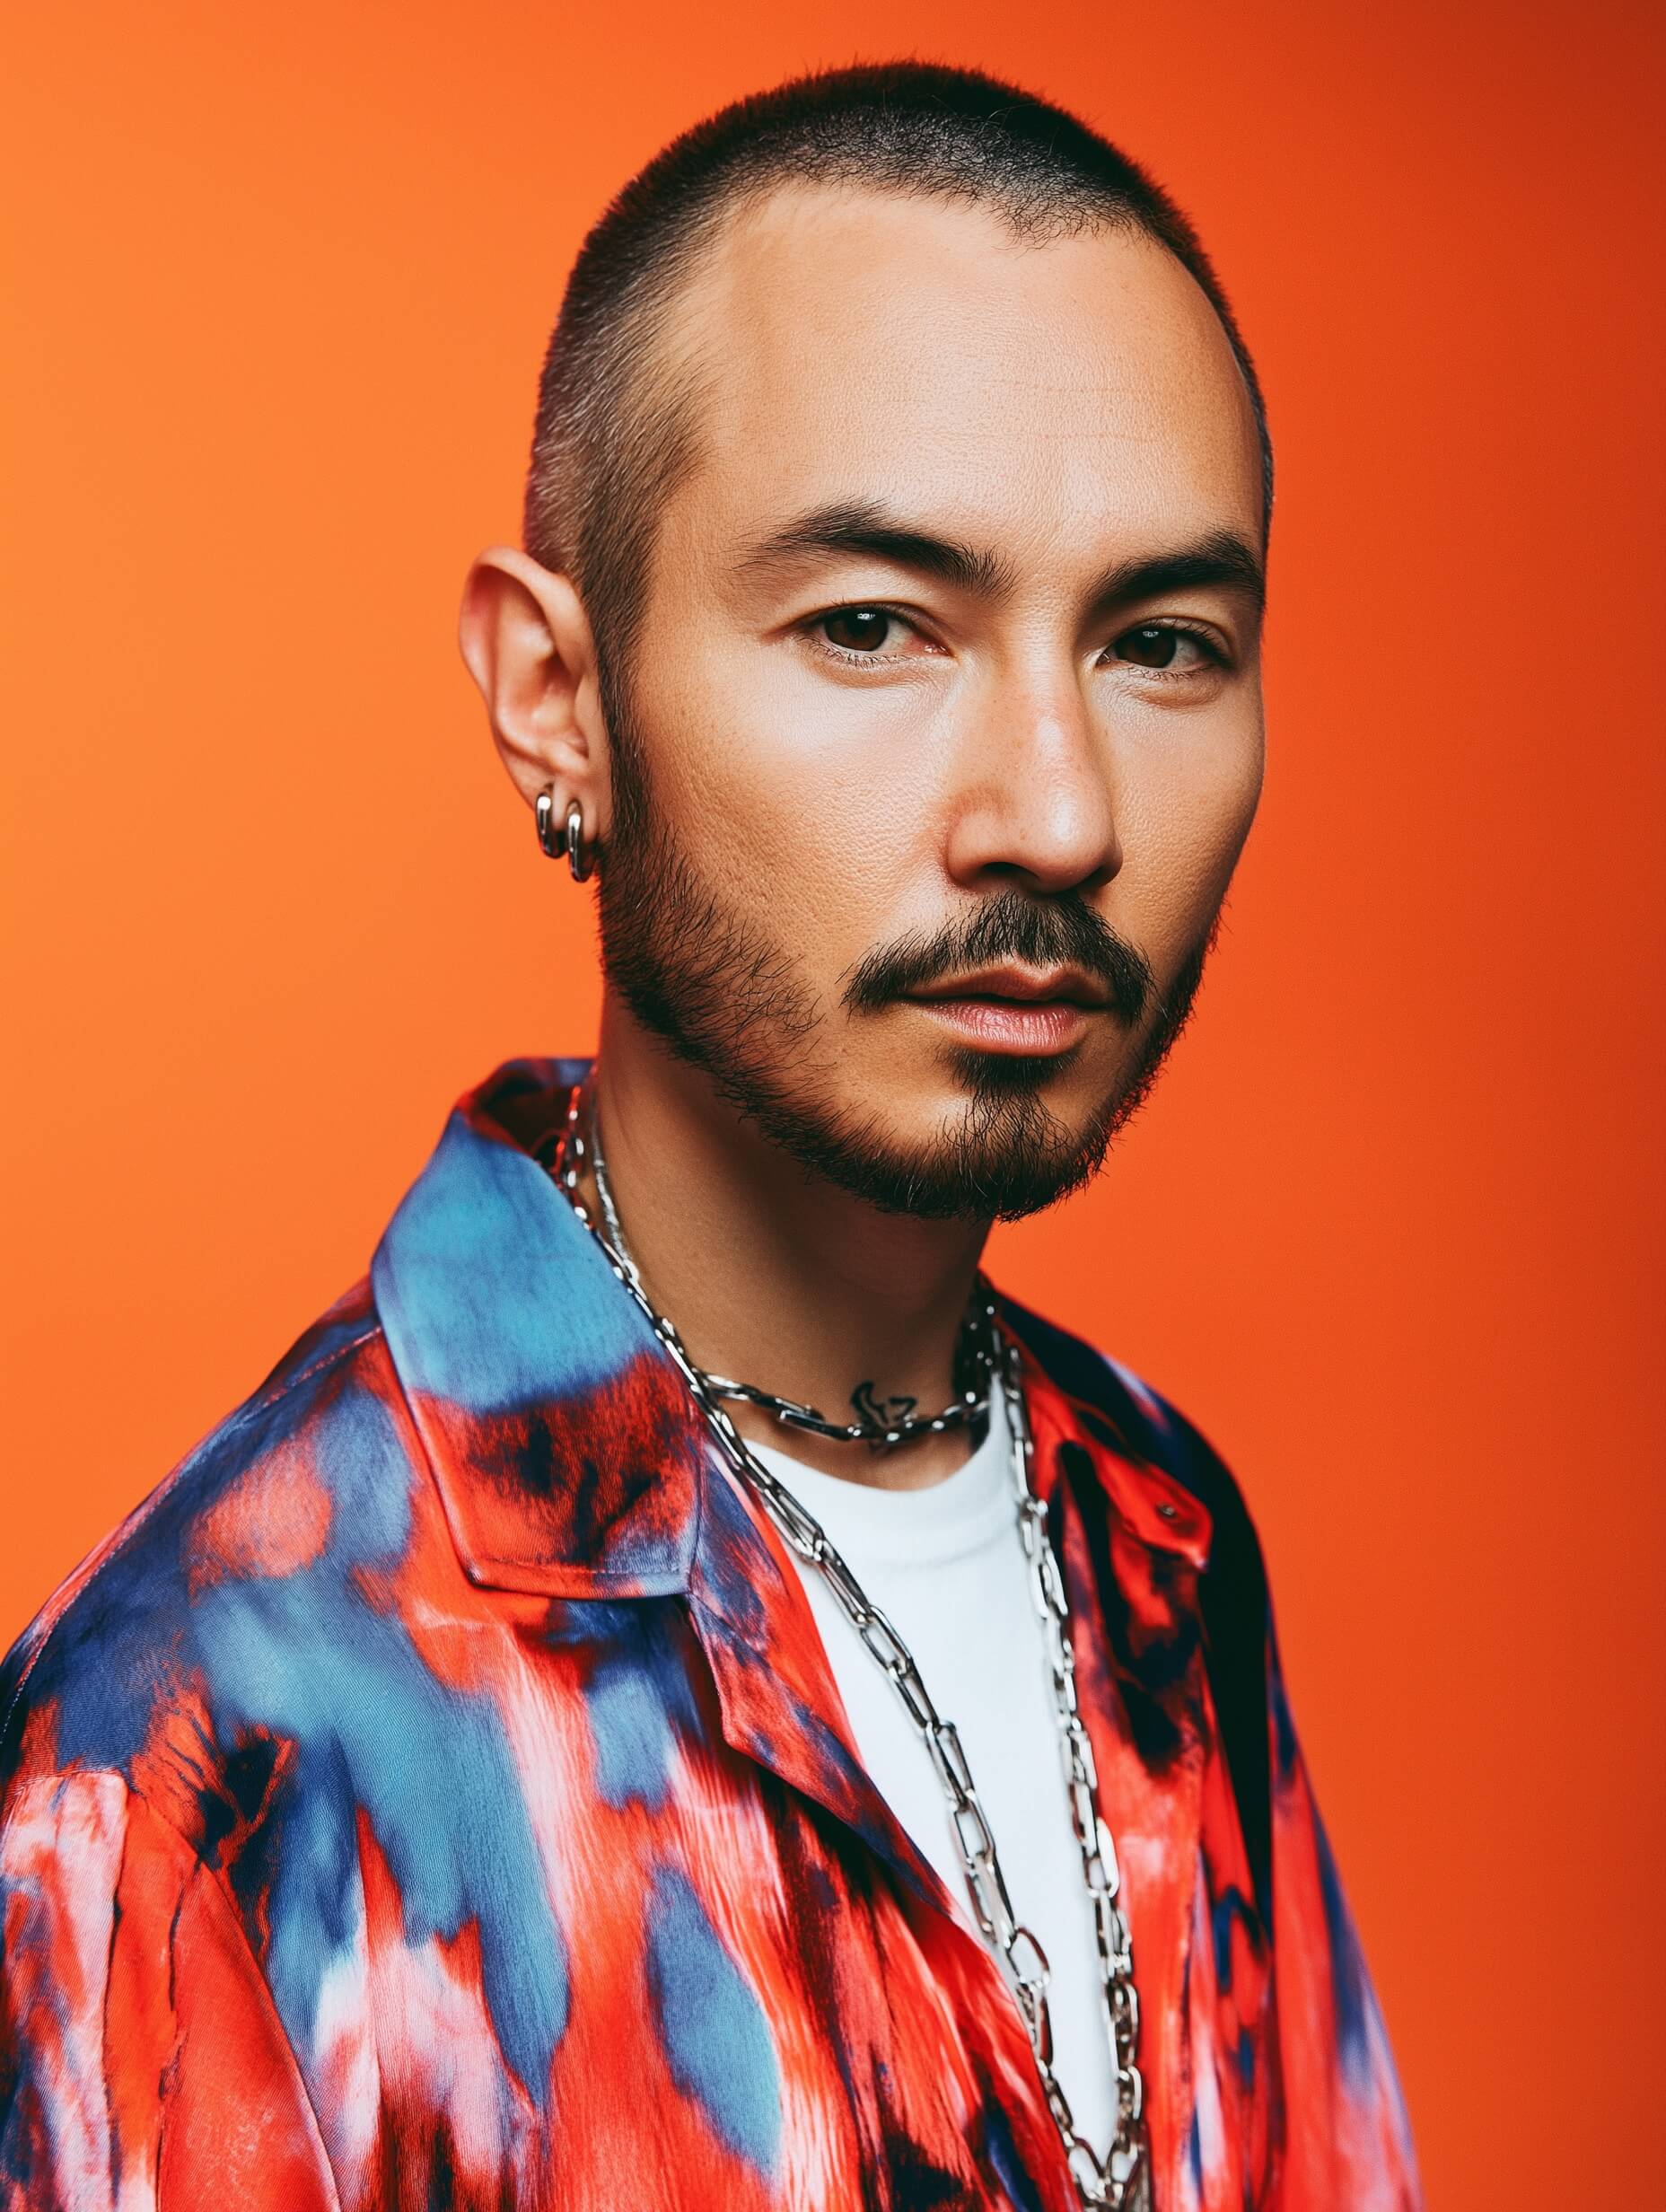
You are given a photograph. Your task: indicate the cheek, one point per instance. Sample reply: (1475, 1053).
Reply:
(792, 802)
(1182, 832)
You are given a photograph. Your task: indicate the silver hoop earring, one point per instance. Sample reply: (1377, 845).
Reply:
(578, 859)
(543, 811)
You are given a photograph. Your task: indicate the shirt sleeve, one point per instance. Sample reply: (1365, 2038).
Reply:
(1347, 2141)
(141, 2061)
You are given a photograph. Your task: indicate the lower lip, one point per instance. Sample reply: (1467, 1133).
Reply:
(1041, 1025)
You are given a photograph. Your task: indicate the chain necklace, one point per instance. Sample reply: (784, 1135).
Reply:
(881, 1429)
(974, 1362)
(1120, 2181)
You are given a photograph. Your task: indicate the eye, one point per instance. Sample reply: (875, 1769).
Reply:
(858, 629)
(1171, 646)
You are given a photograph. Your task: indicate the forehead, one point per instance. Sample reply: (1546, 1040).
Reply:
(855, 344)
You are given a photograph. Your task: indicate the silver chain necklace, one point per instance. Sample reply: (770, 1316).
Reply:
(1121, 2180)
(881, 1427)
(884, 1426)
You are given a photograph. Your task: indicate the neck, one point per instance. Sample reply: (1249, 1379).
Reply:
(776, 1276)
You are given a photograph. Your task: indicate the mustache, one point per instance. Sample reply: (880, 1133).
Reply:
(1038, 933)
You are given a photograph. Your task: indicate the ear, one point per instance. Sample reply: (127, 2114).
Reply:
(527, 642)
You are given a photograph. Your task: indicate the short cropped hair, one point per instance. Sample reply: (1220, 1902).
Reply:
(616, 426)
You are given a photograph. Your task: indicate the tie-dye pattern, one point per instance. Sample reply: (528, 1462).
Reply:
(436, 1795)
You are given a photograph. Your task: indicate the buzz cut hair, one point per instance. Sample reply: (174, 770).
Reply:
(618, 411)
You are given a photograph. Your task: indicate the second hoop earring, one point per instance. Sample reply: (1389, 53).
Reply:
(579, 860)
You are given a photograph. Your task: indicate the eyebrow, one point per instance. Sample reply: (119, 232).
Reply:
(868, 530)
(1220, 559)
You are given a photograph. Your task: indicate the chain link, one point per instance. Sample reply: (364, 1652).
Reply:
(1121, 2180)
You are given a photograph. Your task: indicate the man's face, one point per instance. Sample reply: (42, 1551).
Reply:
(942, 733)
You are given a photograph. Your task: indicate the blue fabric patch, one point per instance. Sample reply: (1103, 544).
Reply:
(1004, 2163)
(1228, 1910)
(637, 1694)
(715, 2038)
(493, 1293)
(1350, 1992)
(306, 1657)
(632, 1735)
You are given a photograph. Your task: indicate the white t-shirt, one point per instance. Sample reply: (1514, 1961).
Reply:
(946, 1566)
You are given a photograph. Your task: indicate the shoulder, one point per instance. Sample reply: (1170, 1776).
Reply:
(146, 1661)
(1136, 1420)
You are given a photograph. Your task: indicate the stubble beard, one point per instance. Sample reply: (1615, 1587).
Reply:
(708, 980)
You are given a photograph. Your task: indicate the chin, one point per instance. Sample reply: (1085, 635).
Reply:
(992, 1150)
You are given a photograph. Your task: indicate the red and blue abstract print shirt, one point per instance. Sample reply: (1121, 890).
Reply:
(436, 1795)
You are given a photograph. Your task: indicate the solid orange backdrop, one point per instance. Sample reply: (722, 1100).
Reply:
(280, 282)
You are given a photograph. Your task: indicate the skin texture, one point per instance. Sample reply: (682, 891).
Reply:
(1063, 411)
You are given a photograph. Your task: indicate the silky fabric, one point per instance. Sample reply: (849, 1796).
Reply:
(436, 1794)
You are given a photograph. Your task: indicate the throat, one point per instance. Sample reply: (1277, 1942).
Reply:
(779, 1285)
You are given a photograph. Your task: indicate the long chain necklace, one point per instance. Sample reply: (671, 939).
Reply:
(1121, 2180)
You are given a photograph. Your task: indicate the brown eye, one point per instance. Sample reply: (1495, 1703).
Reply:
(858, 629)
(1153, 646)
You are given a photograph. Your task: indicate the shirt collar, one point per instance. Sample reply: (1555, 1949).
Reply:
(566, 1450)
(571, 1459)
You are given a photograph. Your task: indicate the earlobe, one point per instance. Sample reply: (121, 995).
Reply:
(526, 640)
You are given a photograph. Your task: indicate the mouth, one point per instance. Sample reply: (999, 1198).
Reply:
(1040, 1012)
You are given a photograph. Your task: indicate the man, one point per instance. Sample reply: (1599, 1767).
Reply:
(674, 1693)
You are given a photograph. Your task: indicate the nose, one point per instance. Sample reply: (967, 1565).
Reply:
(1034, 799)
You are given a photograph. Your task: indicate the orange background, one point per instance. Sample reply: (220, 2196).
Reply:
(280, 279)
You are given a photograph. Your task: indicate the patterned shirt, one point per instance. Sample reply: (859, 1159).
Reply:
(437, 1795)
